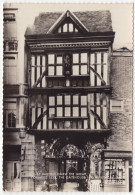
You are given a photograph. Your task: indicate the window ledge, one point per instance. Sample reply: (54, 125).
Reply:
(68, 117)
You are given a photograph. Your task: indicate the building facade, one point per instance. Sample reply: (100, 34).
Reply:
(73, 118)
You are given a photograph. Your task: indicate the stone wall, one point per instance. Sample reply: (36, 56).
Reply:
(121, 123)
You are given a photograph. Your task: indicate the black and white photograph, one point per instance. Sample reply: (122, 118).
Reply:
(67, 97)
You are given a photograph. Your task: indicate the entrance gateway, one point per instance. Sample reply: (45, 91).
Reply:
(73, 165)
(72, 168)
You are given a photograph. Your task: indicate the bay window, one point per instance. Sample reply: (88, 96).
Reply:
(69, 111)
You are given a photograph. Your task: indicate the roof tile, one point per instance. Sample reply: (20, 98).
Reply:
(94, 21)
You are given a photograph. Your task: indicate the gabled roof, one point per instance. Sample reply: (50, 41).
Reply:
(65, 15)
(93, 21)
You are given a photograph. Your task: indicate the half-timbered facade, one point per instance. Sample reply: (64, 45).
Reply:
(70, 104)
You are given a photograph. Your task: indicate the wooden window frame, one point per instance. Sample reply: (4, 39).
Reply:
(95, 106)
(35, 66)
(7, 112)
(71, 106)
(55, 65)
(80, 64)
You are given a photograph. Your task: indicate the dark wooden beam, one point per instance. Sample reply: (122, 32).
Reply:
(54, 90)
(89, 131)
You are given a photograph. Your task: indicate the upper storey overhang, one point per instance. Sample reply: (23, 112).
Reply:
(77, 27)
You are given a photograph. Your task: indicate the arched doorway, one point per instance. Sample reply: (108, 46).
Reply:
(71, 167)
(71, 175)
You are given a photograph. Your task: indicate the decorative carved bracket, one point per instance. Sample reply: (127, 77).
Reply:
(96, 116)
(102, 80)
(41, 116)
(39, 79)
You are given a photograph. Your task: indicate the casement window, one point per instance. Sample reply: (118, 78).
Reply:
(10, 69)
(116, 105)
(98, 111)
(38, 67)
(65, 109)
(98, 68)
(67, 27)
(10, 113)
(80, 64)
(55, 67)
(114, 171)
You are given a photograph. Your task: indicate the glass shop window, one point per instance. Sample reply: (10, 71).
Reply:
(115, 171)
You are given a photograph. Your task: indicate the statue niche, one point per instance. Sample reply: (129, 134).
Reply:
(67, 65)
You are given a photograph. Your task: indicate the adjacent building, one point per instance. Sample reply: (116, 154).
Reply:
(71, 119)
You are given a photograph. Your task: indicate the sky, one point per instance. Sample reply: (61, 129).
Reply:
(122, 17)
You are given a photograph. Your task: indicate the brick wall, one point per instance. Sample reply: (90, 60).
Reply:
(121, 123)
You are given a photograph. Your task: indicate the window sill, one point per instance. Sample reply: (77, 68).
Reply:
(68, 117)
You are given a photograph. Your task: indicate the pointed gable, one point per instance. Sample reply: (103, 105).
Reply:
(67, 22)
(89, 21)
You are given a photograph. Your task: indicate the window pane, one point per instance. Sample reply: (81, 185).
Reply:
(51, 59)
(85, 124)
(55, 125)
(75, 99)
(70, 27)
(67, 99)
(75, 111)
(83, 111)
(50, 124)
(59, 111)
(33, 60)
(76, 30)
(59, 70)
(59, 59)
(65, 28)
(84, 100)
(51, 70)
(59, 100)
(11, 120)
(51, 101)
(67, 124)
(79, 124)
(67, 111)
(98, 58)
(105, 58)
(76, 58)
(92, 58)
(76, 70)
(59, 29)
(84, 69)
(51, 112)
(38, 61)
(83, 57)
